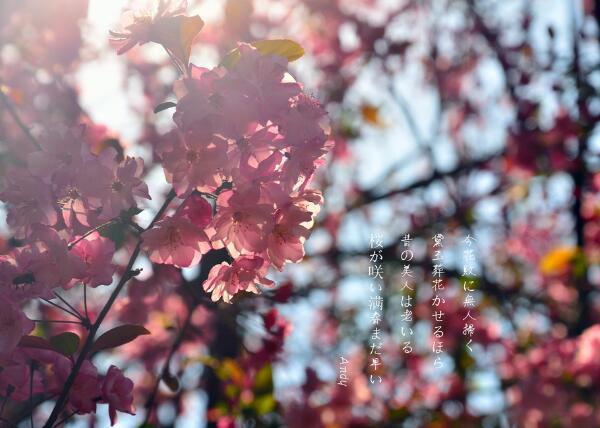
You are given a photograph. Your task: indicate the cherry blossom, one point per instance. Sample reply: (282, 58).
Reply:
(180, 239)
(241, 222)
(13, 325)
(117, 391)
(87, 388)
(225, 280)
(97, 253)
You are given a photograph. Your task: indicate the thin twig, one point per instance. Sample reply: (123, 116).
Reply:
(31, 391)
(60, 307)
(85, 308)
(11, 110)
(89, 232)
(65, 419)
(165, 370)
(87, 346)
(62, 299)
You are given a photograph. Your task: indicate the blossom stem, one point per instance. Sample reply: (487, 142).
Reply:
(85, 309)
(61, 308)
(89, 232)
(62, 299)
(87, 346)
(31, 368)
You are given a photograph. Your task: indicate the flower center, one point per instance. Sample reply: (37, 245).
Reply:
(73, 193)
(191, 156)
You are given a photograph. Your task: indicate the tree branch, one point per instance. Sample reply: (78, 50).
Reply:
(129, 273)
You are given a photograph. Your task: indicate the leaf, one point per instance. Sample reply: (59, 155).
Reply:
(263, 381)
(164, 106)
(230, 370)
(370, 114)
(115, 232)
(288, 49)
(557, 260)
(133, 211)
(66, 343)
(176, 34)
(118, 336)
(264, 404)
(35, 342)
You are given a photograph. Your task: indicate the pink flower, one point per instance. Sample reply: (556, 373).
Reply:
(166, 26)
(29, 201)
(302, 162)
(225, 280)
(193, 162)
(277, 328)
(16, 376)
(97, 253)
(241, 222)
(80, 191)
(57, 266)
(176, 241)
(254, 90)
(180, 240)
(197, 210)
(198, 110)
(123, 186)
(301, 122)
(286, 239)
(13, 325)
(255, 157)
(586, 361)
(35, 269)
(86, 390)
(117, 391)
(61, 150)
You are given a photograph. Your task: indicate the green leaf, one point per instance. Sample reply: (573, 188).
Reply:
(133, 211)
(263, 381)
(115, 232)
(164, 106)
(66, 343)
(118, 336)
(288, 49)
(264, 404)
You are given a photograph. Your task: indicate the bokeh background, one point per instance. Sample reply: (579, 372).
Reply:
(461, 117)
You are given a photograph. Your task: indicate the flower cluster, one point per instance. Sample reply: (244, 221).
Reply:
(89, 388)
(61, 192)
(248, 133)
(560, 376)
(56, 199)
(240, 160)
